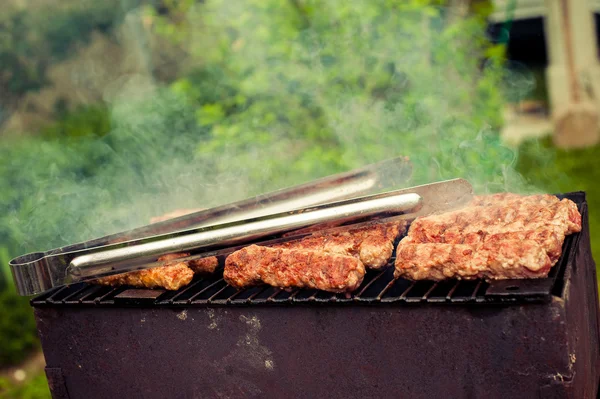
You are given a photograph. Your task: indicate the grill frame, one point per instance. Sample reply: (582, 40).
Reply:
(544, 349)
(201, 291)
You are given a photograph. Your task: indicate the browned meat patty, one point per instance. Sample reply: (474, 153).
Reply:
(494, 222)
(204, 265)
(514, 259)
(286, 268)
(372, 244)
(170, 277)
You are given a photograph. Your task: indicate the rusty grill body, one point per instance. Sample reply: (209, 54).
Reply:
(392, 338)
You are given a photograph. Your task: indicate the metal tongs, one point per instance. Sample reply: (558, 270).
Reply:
(284, 215)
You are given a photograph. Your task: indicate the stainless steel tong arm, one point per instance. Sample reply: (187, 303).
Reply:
(234, 233)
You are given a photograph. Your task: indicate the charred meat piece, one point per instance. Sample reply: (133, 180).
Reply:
(487, 238)
(372, 244)
(286, 268)
(170, 277)
(509, 259)
(204, 265)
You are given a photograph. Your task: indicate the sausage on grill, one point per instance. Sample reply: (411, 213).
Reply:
(497, 236)
(170, 277)
(509, 259)
(286, 268)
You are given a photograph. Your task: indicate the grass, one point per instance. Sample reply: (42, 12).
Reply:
(17, 328)
(559, 171)
(35, 387)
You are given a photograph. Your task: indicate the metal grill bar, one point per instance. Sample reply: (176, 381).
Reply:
(76, 289)
(246, 296)
(76, 297)
(429, 291)
(451, 292)
(284, 296)
(184, 294)
(216, 294)
(474, 294)
(110, 294)
(271, 298)
(91, 297)
(52, 298)
(207, 293)
(380, 286)
(361, 292)
(418, 290)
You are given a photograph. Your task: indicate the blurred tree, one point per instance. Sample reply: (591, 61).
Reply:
(31, 41)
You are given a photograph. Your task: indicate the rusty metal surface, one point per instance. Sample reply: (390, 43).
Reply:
(536, 350)
(356, 352)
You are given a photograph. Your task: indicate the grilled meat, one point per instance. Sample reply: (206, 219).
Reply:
(493, 260)
(329, 261)
(372, 244)
(487, 239)
(286, 268)
(506, 217)
(170, 277)
(550, 239)
(204, 265)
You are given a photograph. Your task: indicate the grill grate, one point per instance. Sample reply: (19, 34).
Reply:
(377, 287)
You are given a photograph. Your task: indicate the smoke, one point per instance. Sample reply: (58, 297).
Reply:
(273, 94)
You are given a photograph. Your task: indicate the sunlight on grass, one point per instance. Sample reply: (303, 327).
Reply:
(36, 387)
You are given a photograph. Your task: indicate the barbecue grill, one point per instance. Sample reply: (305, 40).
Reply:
(390, 339)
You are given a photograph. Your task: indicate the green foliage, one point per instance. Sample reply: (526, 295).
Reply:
(34, 388)
(17, 328)
(34, 38)
(5, 275)
(84, 121)
(312, 88)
